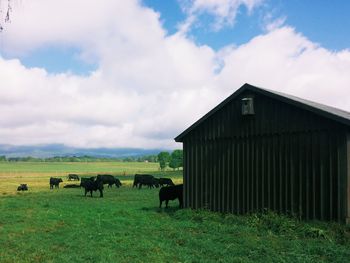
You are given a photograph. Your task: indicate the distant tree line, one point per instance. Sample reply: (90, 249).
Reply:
(85, 158)
(173, 160)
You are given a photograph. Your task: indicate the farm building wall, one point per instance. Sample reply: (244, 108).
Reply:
(282, 158)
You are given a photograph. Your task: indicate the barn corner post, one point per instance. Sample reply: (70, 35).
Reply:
(344, 180)
(347, 179)
(185, 175)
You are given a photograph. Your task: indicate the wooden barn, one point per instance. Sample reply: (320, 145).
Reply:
(263, 149)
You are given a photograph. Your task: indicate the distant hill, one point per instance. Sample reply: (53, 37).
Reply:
(51, 150)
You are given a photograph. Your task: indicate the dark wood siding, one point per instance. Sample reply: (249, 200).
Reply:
(282, 158)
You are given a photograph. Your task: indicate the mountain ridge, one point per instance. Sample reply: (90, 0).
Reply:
(52, 150)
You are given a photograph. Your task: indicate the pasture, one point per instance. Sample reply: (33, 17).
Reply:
(61, 225)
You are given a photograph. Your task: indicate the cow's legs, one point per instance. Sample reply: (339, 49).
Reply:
(160, 203)
(101, 193)
(181, 205)
(166, 203)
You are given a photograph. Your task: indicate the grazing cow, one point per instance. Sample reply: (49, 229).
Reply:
(117, 182)
(109, 179)
(73, 177)
(55, 182)
(145, 179)
(167, 193)
(92, 185)
(22, 187)
(149, 181)
(155, 183)
(71, 186)
(165, 181)
(138, 179)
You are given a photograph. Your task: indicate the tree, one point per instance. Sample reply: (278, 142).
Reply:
(7, 11)
(163, 159)
(176, 159)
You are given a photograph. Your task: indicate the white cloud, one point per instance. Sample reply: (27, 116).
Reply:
(270, 23)
(287, 61)
(148, 86)
(223, 11)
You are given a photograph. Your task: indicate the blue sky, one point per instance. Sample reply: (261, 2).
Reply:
(324, 22)
(136, 73)
(56, 60)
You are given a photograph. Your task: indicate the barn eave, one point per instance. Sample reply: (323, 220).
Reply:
(325, 111)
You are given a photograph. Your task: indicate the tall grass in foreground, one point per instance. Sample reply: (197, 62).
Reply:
(62, 225)
(127, 226)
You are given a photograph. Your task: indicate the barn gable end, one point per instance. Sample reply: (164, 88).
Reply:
(289, 156)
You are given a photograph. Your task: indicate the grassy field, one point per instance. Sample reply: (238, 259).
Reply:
(62, 225)
(37, 174)
(76, 167)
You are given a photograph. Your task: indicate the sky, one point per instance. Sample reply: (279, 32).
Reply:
(136, 73)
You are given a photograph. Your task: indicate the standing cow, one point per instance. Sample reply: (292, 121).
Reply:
(90, 184)
(108, 179)
(55, 182)
(145, 179)
(138, 178)
(167, 193)
(84, 179)
(165, 181)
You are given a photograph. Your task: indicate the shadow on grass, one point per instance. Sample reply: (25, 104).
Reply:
(89, 196)
(170, 210)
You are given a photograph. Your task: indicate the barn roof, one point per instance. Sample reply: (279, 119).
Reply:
(317, 108)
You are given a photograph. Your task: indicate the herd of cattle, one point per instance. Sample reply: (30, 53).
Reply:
(168, 191)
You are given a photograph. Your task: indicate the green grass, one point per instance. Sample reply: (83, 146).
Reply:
(37, 174)
(62, 225)
(76, 167)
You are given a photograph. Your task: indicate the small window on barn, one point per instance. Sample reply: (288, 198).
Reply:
(247, 106)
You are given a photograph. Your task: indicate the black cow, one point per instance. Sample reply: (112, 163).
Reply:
(108, 179)
(22, 187)
(156, 182)
(137, 180)
(139, 177)
(73, 177)
(92, 185)
(84, 179)
(145, 179)
(118, 183)
(149, 181)
(55, 182)
(165, 181)
(167, 193)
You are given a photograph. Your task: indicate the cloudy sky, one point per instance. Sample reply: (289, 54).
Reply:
(136, 73)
